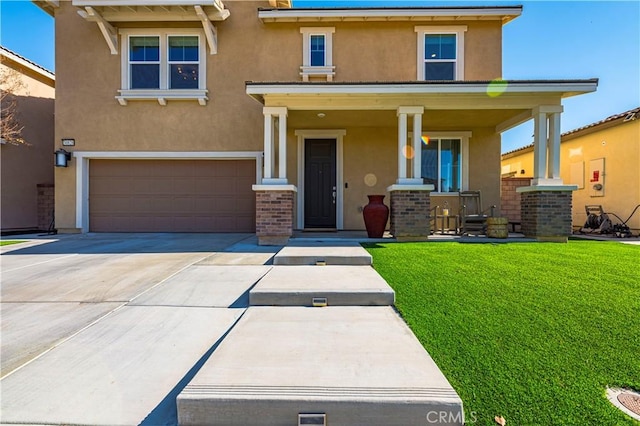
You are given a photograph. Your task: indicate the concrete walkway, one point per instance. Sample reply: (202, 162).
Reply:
(353, 361)
(123, 329)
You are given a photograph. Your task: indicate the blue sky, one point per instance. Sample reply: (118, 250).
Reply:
(551, 40)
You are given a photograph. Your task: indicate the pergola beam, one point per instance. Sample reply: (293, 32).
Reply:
(108, 32)
(209, 30)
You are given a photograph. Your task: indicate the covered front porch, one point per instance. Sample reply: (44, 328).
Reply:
(329, 145)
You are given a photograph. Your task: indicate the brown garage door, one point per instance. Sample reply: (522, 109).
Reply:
(171, 195)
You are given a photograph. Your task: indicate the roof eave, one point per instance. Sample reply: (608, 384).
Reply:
(504, 14)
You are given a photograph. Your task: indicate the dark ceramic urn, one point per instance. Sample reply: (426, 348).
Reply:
(375, 215)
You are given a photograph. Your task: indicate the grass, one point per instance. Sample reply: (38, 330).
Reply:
(533, 332)
(9, 242)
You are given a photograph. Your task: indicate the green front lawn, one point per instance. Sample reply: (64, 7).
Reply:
(533, 332)
(8, 242)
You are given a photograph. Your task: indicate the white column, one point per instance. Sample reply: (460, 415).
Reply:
(539, 147)
(282, 145)
(553, 171)
(403, 112)
(546, 147)
(417, 147)
(402, 144)
(268, 146)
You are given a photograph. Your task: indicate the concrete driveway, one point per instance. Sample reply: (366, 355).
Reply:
(108, 328)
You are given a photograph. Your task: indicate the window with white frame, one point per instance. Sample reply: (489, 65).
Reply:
(445, 162)
(441, 52)
(163, 64)
(317, 53)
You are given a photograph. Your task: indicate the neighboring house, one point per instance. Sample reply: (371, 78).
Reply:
(27, 169)
(199, 116)
(602, 160)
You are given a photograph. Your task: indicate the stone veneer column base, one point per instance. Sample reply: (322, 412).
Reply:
(274, 214)
(546, 212)
(410, 206)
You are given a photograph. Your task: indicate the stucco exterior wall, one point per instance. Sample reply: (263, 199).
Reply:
(24, 167)
(249, 50)
(619, 146)
(371, 166)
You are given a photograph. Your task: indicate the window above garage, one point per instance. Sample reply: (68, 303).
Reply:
(158, 64)
(163, 65)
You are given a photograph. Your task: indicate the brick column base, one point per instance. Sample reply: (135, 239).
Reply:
(274, 215)
(546, 214)
(410, 214)
(46, 205)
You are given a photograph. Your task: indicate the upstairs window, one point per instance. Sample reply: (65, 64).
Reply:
(184, 62)
(317, 50)
(441, 53)
(144, 62)
(317, 53)
(163, 64)
(439, 57)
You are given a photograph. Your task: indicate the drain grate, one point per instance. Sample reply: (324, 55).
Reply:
(627, 400)
(631, 401)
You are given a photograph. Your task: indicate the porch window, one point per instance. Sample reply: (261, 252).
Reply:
(441, 53)
(317, 53)
(442, 163)
(163, 65)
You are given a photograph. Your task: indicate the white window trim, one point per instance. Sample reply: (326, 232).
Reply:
(328, 70)
(464, 137)
(83, 163)
(163, 94)
(458, 30)
(338, 135)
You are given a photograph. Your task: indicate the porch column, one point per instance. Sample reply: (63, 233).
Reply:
(546, 145)
(270, 114)
(415, 152)
(402, 146)
(545, 205)
(274, 197)
(410, 199)
(417, 146)
(553, 145)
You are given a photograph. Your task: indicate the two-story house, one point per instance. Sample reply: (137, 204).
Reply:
(199, 116)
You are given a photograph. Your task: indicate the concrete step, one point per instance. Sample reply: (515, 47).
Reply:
(323, 252)
(352, 365)
(332, 285)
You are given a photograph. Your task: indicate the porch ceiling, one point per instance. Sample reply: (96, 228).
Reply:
(501, 104)
(432, 119)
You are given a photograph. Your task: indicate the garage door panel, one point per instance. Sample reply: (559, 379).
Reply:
(172, 196)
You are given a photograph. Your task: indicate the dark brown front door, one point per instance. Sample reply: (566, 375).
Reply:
(320, 183)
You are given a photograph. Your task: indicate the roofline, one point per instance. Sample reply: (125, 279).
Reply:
(22, 61)
(613, 120)
(507, 13)
(48, 6)
(567, 87)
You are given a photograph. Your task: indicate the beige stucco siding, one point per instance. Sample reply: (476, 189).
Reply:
(619, 145)
(370, 166)
(24, 167)
(231, 121)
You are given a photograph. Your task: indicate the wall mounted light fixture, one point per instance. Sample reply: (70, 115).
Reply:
(62, 157)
